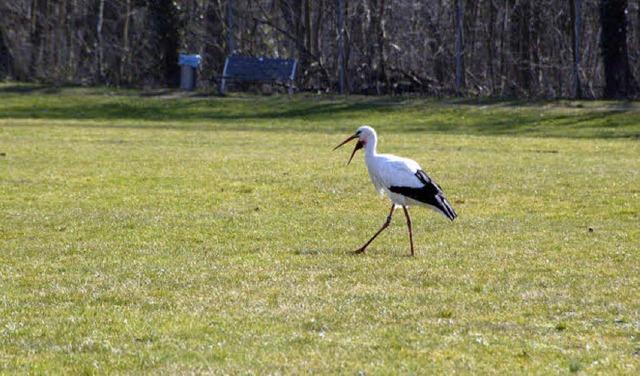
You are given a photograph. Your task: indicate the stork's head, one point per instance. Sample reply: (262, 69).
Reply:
(365, 135)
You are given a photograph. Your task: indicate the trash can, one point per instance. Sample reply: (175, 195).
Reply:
(188, 64)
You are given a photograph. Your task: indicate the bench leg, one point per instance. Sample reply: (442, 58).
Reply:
(223, 85)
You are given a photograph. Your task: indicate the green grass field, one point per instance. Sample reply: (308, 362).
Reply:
(173, 234)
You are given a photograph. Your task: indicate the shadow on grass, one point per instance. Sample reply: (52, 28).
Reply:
(29, 89)
(163, 106)
(177, 110)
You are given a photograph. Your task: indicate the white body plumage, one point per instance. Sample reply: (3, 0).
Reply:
(398, 177)
(401, 179)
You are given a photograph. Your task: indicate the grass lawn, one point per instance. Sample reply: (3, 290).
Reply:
(174, 234)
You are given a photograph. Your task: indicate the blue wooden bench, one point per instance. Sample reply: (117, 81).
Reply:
(258, 69)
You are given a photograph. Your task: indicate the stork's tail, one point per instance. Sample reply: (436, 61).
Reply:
(430, 194)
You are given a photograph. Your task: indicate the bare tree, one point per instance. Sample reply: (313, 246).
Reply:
(575, 8)
(619, 82)
(164, 23)
(125, 56)
(515, 48)
(6, 56)
(100, 44)
(215, 38)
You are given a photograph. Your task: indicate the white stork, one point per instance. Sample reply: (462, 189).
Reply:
(401, 179)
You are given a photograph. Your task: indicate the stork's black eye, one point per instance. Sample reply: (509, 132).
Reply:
(358, 133)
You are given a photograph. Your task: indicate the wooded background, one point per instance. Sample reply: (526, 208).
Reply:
(498, 48)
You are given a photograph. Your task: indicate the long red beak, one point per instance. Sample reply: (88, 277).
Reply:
(358, 146)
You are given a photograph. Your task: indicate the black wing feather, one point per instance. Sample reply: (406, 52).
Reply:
(430, 193)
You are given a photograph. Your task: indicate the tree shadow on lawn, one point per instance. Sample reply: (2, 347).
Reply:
(619, 105)
(29, 89)
(193, 110)
(323, 114)
(601, 124)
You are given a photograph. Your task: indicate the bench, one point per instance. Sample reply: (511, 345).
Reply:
(258, 69)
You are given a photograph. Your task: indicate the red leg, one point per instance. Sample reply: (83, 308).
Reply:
(406, 214)
(385, 225)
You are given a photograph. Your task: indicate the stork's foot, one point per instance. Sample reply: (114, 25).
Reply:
(358, 251)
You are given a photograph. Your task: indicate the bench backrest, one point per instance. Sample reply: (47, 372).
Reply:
(259, 68)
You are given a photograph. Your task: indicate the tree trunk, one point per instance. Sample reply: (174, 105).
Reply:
(164, 19)
(215, 46)
(459, 68)
(125, 57)
(520, 36)
(490, 46)
(619, 82)
(381, 36)
(504, 84)
(6, 57)
(99, 44)
(297, 16)
(36, 36)
(575, 11)
(436, 54)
